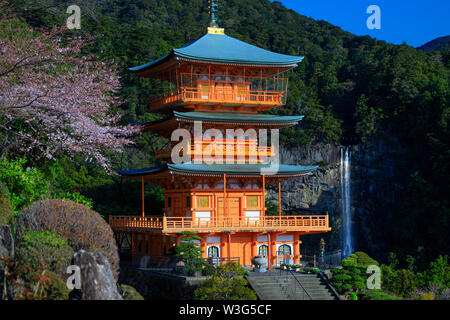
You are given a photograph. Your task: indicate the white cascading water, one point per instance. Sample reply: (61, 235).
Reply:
(345, 167)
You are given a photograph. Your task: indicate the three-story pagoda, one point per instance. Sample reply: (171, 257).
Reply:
(222, 83)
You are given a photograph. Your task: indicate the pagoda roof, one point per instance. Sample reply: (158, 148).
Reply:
(220, 48)
(166, 125)
(205, 169)
(236, 118)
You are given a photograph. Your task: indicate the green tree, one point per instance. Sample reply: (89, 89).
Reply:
(227, 283)
(352, 276)
(25, 184)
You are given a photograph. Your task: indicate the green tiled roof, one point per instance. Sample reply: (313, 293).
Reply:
(219, 169)
(221, 48)
(237, 117)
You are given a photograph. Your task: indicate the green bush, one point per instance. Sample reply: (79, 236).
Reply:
(44, 246)
(438, 274)
(227, 283)
(25, 184)
(352, 276)
(27, 283)
(312, 270)
(360, 259)
(379, 295)
(6, 211)
(401, 282)
(425, 296)
(353, 296)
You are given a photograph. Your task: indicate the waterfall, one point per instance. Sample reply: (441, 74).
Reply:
(345, 167)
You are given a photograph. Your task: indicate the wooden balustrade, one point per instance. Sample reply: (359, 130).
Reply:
(220, 150)
(307, 223)
(196, 95)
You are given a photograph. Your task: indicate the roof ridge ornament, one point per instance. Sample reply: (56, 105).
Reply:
(213, 27)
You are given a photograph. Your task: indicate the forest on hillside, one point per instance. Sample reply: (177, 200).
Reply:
(346, 87)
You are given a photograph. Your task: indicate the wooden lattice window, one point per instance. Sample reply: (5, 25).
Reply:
(252, 201)
(284, 250)
(203, 201)
(263, 250)
(205, 88)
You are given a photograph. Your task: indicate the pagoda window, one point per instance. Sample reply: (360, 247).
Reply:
(213, 252)
(263, 250)
(169, 202)
(202, 201)
(252, 201)
(284, 250)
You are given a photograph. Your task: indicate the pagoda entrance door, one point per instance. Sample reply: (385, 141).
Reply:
(233, 208)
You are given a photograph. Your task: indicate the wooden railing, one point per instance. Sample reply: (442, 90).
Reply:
(309, 223)
(196, 95)
(258, 154)
(133, 223)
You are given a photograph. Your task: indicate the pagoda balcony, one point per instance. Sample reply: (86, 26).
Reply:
(301, 223)
(198, 89)
(245, 151)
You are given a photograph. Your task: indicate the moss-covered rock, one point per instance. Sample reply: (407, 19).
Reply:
(6, 211)
(78, 225)
(129, 293)
(36, 247)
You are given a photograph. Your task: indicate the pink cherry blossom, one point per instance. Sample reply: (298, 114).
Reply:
(53, 100)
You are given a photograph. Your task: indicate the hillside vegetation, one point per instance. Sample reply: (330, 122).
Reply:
(347, 86)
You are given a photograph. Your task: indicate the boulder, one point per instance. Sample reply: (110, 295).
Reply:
(97, 280)
(130, 293)
(6, 244)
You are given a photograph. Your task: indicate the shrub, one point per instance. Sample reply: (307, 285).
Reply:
(6, 211)
(353, 296)
(25, 184)
(352, 276)
(79, 226)
(437, 274)
(36, 284)
(44, 246)
(402, 282)
(425, 296)
(360, 259)
(226, 284)
(379, 295)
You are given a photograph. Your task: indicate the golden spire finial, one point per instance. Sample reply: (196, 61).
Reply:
(213, 26)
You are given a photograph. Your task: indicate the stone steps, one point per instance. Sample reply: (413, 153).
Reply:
(279, 287)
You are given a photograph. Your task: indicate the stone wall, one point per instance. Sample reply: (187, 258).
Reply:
(159, 286)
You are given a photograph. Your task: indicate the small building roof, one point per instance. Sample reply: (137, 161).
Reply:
(221, 48)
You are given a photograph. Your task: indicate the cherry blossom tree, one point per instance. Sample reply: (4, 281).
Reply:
(53, 100)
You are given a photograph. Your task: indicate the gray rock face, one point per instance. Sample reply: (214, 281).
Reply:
(6, 244)
(97, 280)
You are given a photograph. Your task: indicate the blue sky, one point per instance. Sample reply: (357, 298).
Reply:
(414, 22)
